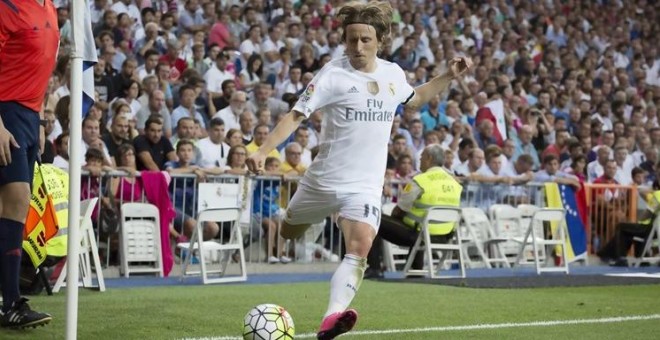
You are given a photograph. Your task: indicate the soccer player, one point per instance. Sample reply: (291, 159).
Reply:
(29, 40)
(358, 95)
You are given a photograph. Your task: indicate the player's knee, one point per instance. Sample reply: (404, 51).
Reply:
(15, 200)
(359, 247)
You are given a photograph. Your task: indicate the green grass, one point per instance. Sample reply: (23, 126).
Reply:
(207, 311)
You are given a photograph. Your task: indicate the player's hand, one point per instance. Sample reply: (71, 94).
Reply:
(255, 163)
(7, 141)
(459, 66)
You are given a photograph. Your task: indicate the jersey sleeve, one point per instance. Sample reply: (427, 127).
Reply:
(407, 92)
(318, 93)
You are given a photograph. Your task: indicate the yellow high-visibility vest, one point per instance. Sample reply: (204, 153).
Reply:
(652, 200)
(438, 189)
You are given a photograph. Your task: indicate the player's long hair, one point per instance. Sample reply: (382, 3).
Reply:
(375, 13)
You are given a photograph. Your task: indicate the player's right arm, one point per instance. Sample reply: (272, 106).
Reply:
(318, 94)
(282, 131)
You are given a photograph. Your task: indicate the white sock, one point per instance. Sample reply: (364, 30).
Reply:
(345, 283)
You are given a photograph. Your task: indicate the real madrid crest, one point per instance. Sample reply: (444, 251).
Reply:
(372, 87)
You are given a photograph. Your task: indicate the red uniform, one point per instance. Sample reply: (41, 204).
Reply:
(29, 40)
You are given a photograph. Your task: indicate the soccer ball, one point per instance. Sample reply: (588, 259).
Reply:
(268, 322)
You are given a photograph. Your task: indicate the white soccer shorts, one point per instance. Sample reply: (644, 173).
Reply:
(309, 206)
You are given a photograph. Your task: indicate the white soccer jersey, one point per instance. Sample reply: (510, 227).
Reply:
(358, 109)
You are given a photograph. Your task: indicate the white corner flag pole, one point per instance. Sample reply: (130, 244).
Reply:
(75, 128)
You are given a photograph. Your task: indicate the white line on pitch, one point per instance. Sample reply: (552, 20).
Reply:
(473, 327)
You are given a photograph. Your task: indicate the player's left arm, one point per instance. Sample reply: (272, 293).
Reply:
(425, 92)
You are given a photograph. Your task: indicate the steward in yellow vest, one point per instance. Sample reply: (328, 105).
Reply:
(615, 250)
(435, 186)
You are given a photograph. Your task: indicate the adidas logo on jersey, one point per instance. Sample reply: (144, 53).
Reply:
(353, 90)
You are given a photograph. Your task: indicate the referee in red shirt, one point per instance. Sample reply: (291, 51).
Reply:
(29, 40)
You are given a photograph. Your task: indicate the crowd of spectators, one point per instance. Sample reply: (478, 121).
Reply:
(561, 90)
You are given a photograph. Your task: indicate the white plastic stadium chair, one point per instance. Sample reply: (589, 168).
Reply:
(651, 252)
(222, 251)
(527, 212)
(478, 228)
(423, 243)
(546, 215)
(507, 229)
(139, 240)
(88, 245)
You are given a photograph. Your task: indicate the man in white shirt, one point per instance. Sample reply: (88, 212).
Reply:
(624, 169)
(291, 85)
(127, 6)
(232, 113)
(252, 44)
(213, 148)
(270, 48)
(520, 173)
(217, 74)
(360, 94)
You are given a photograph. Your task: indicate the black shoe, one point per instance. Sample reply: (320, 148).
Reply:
(20, 316)
(373, 274)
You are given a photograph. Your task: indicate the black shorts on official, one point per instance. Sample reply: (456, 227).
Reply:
(23, 123)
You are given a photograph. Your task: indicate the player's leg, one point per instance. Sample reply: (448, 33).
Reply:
(306, 208)
(15, 180)
(359, 218)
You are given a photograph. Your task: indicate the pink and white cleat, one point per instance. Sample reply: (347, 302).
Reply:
(337, 324)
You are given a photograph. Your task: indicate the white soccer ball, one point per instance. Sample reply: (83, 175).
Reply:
(268, 322)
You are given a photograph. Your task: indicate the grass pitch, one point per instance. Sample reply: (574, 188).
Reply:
(218, 310)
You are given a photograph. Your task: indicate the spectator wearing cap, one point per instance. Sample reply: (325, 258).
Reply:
(217, 74)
